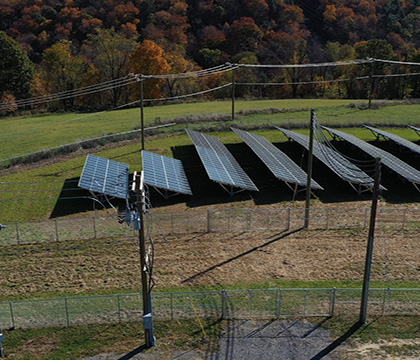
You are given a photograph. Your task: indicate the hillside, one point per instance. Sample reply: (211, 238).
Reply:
(83, 42)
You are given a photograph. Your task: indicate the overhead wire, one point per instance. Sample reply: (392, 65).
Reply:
(84, 91)
(132, 78)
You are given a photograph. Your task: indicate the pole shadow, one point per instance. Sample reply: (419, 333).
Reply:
(134, 352)
(336, 343)
(259, 247)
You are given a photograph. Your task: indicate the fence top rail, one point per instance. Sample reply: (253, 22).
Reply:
(215, 292)
(215, 210)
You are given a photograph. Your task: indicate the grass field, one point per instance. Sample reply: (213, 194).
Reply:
(23, 135)
(105, 267)
(30, 192)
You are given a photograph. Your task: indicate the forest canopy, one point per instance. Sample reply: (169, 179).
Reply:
(63, 45)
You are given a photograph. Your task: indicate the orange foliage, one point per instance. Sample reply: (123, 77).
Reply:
(148, 59)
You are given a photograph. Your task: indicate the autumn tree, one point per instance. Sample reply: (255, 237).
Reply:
(16, 70)
(244, 35)
(148, 59)
(62, 71)
(109, 52)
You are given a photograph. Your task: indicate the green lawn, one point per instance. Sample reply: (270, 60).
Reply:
(37, 190)
(23, 135)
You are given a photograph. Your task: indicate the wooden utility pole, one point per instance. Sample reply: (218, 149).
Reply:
(233, 94)
(372, 83)
(369, 249)
(142, 112)
(309, 178)
(146, 293)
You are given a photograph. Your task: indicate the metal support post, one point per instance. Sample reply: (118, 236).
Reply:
(369, 249)
(146, 294)
(309, 178)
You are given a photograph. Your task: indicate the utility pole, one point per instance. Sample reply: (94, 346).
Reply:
(146, 292)
(309, 178)
(371, 238)
(233, 94)
(372, 83)
(142, 111)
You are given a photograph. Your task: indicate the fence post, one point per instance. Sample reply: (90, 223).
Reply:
(366, 215)
(17, 234)
(268, 220)
(305, 302)
(224, 304)
(94, 227)
(208, 220)
(278, 294)
(248, 219)
(172, 305)
(119, 308)
(288, 220)
(67, 312)
(56, 230)
(172, 222)
(251, 301)
(328, 219)
(332, 301)
(404, 217)
(12, 315)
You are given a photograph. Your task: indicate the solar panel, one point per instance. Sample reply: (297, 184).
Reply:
(105, 176)
(395, 138)
(389, 160)
(277, 161)
(165, 173)
(333, 159)
(416, 129)
(219, 163)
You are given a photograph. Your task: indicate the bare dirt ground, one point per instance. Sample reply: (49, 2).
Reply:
(207, 259)
(216, 259)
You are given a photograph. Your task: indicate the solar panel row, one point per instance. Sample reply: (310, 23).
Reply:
(105, 176)
(277, 161)
(389, 160)
(111, 177)
(165, 173)
(334, 160)
(219, 163)
(395, 138)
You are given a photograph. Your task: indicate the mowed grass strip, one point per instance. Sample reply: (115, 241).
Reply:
(27, 134)
(381, 337)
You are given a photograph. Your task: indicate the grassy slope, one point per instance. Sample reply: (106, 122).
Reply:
(27, 134)
(47, 181)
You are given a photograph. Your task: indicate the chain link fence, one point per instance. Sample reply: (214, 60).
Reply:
(199, 221)
(224, 304)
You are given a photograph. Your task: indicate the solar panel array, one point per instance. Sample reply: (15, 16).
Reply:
(389, 160)
(277, 161)
(395, 138)
(334, 160)
(105, 176)
(165, 173)
(219, 163)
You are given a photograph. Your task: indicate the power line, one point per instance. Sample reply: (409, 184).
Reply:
(132, 78)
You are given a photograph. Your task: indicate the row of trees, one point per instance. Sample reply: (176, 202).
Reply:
(50, 46)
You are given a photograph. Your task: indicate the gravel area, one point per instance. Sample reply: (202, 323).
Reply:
(262, 340)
